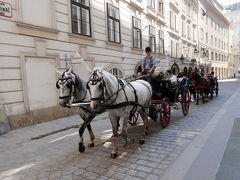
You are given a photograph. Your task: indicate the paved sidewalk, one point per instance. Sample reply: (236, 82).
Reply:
(19, 152)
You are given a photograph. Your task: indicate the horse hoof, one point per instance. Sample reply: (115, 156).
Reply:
(114, 155)
(141, 141)
(91, 145)
(81, 148)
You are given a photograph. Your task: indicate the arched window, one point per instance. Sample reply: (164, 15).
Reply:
(175, 69)
(116, 72)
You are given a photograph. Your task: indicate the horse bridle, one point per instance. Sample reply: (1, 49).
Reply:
(70, 84)
(93, 80)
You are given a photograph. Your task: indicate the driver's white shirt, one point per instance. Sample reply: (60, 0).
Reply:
(173, 79)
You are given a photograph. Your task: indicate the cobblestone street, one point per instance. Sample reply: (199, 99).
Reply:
(56, 156)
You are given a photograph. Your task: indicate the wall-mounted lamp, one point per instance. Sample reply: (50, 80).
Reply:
(196, 50)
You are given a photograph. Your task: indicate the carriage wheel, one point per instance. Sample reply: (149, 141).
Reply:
(216, 87)
(165, 112)
(134, 119)
(185, 102)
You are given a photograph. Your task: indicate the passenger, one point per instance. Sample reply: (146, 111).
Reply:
(148, 64)
(173, 87)
(171, 76)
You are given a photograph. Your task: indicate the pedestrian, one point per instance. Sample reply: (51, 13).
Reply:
(148, 64)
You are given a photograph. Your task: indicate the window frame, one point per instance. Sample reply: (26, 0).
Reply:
(113, 69)
(160, 7)
(152, 3)
(154, 36)
(173, 24)
(138, 29)
(81, 6)
(114, 20)
(161, 39)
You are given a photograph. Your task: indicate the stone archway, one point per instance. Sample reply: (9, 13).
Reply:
(175, 69)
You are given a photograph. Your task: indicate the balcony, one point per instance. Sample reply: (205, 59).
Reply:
(137, 4)
(174, 5)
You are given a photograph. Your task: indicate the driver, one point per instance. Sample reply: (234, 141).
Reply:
(148, 63)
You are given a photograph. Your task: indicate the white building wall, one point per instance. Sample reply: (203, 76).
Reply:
(212, 22)
(40, 32)
(234, 19)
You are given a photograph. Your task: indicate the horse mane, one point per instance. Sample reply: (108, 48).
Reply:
(108, 79)
(79, 82)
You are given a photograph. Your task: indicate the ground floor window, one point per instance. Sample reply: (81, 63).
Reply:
(116, 72)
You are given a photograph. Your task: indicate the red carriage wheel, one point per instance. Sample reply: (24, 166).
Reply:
(165, 112)
(185, 102)
(134, 118)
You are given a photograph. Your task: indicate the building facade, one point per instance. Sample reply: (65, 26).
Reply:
(213, 41)
(232, 13)
(38, 37)
(181, 34)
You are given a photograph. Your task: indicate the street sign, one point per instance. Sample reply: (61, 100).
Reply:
(5, 9)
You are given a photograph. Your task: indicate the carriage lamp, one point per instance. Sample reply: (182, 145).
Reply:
(204, 54)
(196, 51)
(182, 57)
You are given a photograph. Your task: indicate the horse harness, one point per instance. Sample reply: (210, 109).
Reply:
(69, 83)
(94, 79)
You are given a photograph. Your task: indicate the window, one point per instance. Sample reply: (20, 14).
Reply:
(116, 72)
(188, 31)
(137, 33)
(212, 56)
(211, 39)
(203, 14)
(219, 43)
(152, 38)
(206, 20)
(188, 10)
(81, 22)
(173, 49)
(173, 20)
(151, 3)
(161, 42)
(177, 50)
(201, 33)
(194, 34)
(211, 23)
(215, 41)
(160, 7)
(206, 37)
(113, 24)
(183, 29)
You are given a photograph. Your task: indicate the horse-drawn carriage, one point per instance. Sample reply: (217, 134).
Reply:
(165, 95)
(122, 99)
(203, 85)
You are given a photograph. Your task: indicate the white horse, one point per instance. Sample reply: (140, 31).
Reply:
(72, 87)
(121, 99)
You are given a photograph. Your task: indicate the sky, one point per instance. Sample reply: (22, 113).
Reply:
(227, 2)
